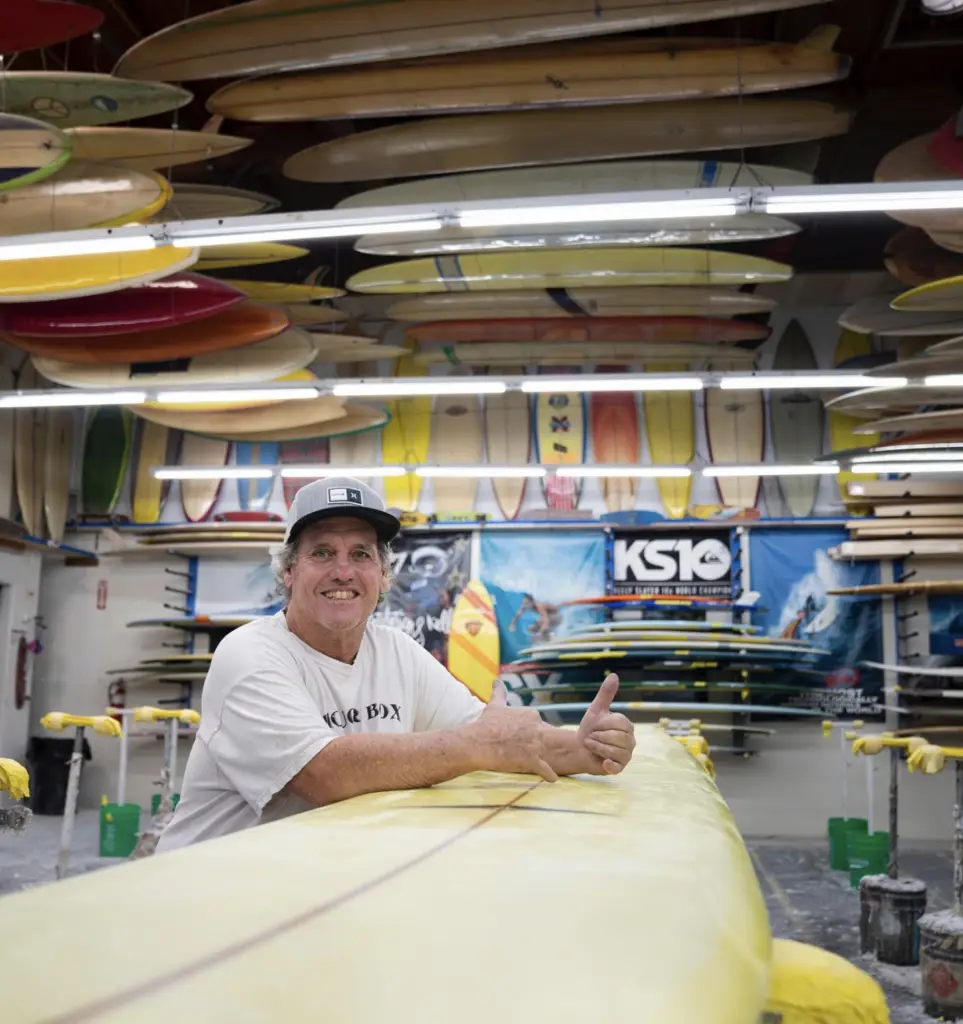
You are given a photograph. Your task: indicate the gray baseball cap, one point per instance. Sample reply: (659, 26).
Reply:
(340, 496)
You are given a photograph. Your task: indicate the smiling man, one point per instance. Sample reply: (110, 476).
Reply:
(318, 704)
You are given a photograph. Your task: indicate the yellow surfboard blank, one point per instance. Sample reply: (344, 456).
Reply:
(390, 904)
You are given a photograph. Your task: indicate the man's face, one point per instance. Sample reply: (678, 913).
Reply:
(337, 576)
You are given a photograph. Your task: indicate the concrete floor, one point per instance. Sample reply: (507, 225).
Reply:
(806, 901)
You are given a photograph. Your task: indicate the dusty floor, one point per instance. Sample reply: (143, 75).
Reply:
(806, 900)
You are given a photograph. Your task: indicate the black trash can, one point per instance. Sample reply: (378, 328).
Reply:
(48, 760)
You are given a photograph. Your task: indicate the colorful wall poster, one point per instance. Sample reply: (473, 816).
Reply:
(793, 573)
(430, 572)
(946, 625)
(531, 575)
(235, 586)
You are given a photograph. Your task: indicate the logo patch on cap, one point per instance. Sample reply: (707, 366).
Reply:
(344, 496)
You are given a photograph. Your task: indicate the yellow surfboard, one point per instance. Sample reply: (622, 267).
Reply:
(473, 646)
(221, 257)
(944, 296)
(406, 439)
(670, 429)
(605, 268)
(334, 883)
(842, 428)
(69, 277)
(148, 493)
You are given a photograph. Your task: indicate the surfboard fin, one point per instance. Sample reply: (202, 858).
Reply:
(822, 38)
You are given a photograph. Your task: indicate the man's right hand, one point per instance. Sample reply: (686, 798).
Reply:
(510, 739)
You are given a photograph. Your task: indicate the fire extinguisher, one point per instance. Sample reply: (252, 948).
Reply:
(116, 696)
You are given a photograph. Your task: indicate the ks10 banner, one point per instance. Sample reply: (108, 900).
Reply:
(692, 564)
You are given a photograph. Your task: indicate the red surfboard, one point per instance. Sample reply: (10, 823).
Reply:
(946, 146)
(611, 329)
(312, 452)
(34, 24)
(242, 324)
(169, 302)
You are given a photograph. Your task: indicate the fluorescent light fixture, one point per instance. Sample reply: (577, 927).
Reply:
(910, 467)
(768, 469)
(441, 386)
(597, 213)
(634, 472)
(583, 385)
(809, 382)
(301, 232)
(361, 472)
(480, 472)
(859, 198)
(228, 396)
(212, 473)
(79, 247)
(944, 380)
(66, 399)
(936, 455)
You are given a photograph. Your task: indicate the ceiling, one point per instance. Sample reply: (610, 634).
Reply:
(907, 78)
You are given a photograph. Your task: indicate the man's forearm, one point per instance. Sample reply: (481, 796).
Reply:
(376, 762)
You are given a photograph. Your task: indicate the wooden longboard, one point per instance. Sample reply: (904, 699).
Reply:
(581, 303)
(329, 879)
(284, 37)
(562, 353)
(861, 550)
(620, 71)
(357, 420)
(610, 268)
(83, 195)
(909, 513)
(255, 363)
(209, 202)
(151, 149)
(457, 439)
(538, 137)
(905, 490)
(614, 422)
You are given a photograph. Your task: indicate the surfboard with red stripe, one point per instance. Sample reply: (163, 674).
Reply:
(473, 644)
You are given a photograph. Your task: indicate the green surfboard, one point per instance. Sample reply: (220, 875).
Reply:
(106, 456)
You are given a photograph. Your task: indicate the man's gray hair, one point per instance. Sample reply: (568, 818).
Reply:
(284, 557)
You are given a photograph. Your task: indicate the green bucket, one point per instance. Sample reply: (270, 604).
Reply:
(868, 855)
(840, 829)
(155, 802)
(119, 829)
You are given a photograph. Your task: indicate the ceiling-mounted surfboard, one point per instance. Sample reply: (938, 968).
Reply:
(522, 138)
(168, 302)
(83, 195)
(71, 99)
(593, 72)
(735, 431)
(580, 303)
(914, 259)
(797, 421)
(913, 161)
(30, 151)
(242, 324)
(211, 202)
(940, 296)
(607, 268)
(69, 277)
(37, 24)
(262, 37)
(876, 316)
(151, 149)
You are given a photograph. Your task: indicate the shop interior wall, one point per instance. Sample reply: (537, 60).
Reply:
(789, 789)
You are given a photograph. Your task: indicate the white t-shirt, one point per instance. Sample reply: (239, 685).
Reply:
(271, 703)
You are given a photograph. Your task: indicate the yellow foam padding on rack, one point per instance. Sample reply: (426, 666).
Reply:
(152, 714)
(14, 779)
(488, 898)
(812, 986)
(57, 721)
